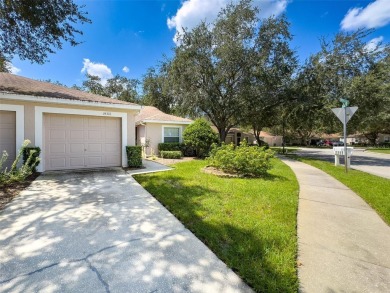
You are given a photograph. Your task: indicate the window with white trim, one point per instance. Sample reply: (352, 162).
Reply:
(171, 134)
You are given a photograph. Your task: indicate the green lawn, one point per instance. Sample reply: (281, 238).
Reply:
(381, 151)
(250, 224)
(373, 189)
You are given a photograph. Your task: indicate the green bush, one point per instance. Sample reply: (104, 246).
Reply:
(15, 173)
(187, 151)
(200, 136)
(171, 154)
(34, 152)
(244, 160)
(169, 146)
(134, 156)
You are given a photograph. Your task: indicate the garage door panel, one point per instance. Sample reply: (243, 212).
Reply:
(57, 148)
(77, 162)
(8, 136)
(84, 142)
(57, 163)
(77, 135)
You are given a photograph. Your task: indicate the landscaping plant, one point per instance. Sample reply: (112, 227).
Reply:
(200, 136)
(15, 173)
(134, 156)
(244, 160)
(171, 154)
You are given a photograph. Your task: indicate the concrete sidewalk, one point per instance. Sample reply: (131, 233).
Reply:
(343, 245)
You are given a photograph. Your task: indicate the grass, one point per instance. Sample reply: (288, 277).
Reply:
(373, 189)
(250, 224)
(381, 151)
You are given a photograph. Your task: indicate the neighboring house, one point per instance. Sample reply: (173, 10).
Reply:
(236, 135)
(74, 129)
(154, 126)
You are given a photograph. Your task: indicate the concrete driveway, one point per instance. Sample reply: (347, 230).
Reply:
(102, 232)
(373, 163)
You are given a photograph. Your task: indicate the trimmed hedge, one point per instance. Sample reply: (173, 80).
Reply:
(34, 161)
(186, 151)
(134, 156)
(171, 154)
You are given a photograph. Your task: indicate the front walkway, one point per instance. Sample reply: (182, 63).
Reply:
(343, 245)
(102, 232)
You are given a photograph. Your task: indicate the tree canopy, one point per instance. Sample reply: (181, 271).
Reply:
(32, 29)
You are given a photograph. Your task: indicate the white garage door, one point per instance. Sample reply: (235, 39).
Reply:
(74, 142)
(8, 136)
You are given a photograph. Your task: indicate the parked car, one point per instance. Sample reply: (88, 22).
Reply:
(337, 143)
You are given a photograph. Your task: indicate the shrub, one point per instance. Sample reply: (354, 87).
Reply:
(244, 160)
(171, 154)
(169, 146)
(187, 151)
(34, 152)
(15, 173)
(200, 136)
(134, 156)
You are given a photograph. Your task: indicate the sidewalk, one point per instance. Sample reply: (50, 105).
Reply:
(343, 245)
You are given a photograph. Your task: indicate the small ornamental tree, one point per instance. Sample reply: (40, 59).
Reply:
(200, 136)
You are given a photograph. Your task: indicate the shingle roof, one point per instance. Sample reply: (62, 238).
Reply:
(21, 85)
(154, 114)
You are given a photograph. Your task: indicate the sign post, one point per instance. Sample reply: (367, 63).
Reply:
(345, 114)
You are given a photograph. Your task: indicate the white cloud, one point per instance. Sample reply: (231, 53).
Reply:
(97, 69)
(125, 69)
(374, 44)
(12, 68)
(192, 12)
(374, 15)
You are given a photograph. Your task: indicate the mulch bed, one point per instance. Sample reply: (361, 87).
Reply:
(8, 192)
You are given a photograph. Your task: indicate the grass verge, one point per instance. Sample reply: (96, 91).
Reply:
(381, 151)
(373, 189)
(250, 224)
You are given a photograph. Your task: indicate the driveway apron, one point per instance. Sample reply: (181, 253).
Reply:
(102, 232)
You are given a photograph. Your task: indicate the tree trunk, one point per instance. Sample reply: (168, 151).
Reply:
(222, 134)
(372, 137)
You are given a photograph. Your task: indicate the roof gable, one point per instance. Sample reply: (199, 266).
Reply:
(152, 114)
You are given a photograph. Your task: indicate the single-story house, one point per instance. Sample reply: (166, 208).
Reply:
(236, 135)
(154, 126)
(74, 129)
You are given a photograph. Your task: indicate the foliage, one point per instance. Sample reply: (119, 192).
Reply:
(244, 160)
(250, 224)
(373, 189)
(171, 154)
(15, 173)
(208, 69)
(32, 29)
(270, 79)
(134, 156)
(187, 151)
(200, 136)
(118, 87)
(34, 153)
(156, 87)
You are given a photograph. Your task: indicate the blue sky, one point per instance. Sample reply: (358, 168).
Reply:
(128, 36)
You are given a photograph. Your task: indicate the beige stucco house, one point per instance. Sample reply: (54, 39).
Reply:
(74, 129)
(154, 126)
(236, 135)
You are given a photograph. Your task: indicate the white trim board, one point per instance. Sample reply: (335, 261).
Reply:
(172, 126)
(19, 123)
(39, 111)
(18, 97)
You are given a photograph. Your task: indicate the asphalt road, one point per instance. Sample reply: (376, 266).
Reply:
(373, 163)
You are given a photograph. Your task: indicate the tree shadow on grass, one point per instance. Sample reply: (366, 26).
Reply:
(258, 255)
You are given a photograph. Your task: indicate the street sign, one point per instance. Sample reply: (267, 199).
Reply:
(339, 112)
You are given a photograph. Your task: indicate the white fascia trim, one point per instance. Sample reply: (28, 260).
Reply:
(175, 126)
(39, 127)
(28, 98)
(19, 123)
(165, 122)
